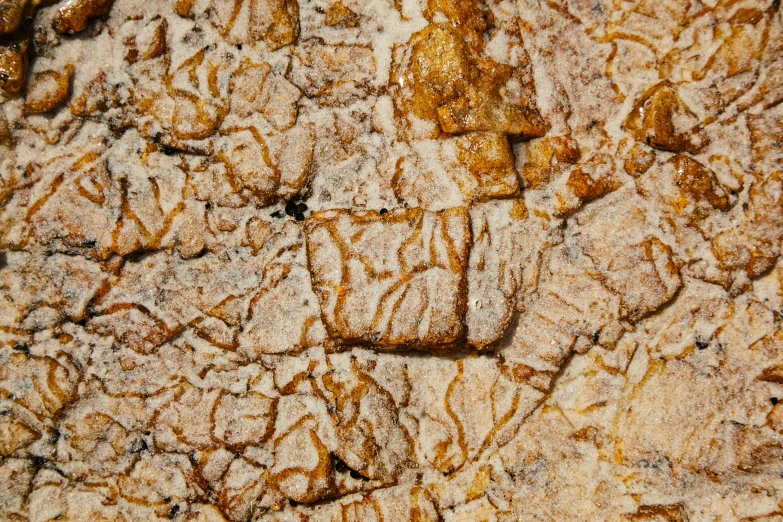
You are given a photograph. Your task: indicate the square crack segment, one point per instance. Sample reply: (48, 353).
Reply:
(395, 280)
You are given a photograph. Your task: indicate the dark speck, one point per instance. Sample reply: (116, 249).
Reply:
(290, 208)
(339, 465)
(139, 446)
(168, 151)
(701, 344)
(208, 206)
(301, 208)
(596, 335)
(89, 243)
(173, 511)
(22, 347)
(384, 211)
(3, 260)
(276, 214)
(355, 474)
(293, 503)
(775, 4)
(239, 47)
(299, 216)
(773, 400)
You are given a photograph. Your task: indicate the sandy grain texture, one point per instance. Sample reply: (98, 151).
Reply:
(391, 260)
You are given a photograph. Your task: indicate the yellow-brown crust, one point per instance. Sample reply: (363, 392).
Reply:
(387, 261)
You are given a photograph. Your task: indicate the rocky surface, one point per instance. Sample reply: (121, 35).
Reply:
(391, 260)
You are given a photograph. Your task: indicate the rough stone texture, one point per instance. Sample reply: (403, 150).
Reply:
(391, 280)
(459, 260)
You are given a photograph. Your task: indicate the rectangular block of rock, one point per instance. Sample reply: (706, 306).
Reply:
(395, 280)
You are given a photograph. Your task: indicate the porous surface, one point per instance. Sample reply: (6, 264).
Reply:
(391, 260)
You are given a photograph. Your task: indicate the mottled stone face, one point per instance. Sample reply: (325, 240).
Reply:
(412, 260)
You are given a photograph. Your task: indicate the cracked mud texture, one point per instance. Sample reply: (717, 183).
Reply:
(416, 260)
